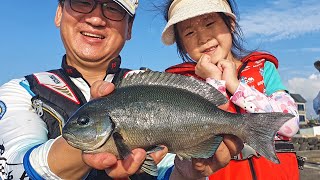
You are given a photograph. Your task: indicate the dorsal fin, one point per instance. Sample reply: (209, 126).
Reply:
(165, 79)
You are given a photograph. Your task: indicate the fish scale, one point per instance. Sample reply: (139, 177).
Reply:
(153, 108)
(163, 110)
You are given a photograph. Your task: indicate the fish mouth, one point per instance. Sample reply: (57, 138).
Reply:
(86, 146)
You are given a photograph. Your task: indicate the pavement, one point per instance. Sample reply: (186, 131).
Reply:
(310, 172)
(311, 169)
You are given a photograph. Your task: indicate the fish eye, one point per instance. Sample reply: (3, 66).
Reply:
(83, 120)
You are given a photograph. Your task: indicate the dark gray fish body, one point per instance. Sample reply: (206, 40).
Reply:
(153, 108)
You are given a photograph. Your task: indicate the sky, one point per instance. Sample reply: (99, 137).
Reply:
(289, 29)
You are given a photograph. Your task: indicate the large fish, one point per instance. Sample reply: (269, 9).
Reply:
(154, 108)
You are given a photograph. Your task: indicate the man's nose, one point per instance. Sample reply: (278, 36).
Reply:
(96, 17)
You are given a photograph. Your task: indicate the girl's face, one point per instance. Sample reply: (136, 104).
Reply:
(206, 34)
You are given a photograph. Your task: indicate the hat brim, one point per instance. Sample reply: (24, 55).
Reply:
(129, 5)
(187, 11)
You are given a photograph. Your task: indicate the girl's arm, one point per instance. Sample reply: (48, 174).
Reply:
(254, 101)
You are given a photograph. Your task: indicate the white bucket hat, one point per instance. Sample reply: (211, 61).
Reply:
(129, 5)
(181, 10)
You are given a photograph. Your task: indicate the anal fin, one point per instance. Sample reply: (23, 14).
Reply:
(203, 150)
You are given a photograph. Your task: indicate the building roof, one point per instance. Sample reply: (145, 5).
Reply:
(298, 98)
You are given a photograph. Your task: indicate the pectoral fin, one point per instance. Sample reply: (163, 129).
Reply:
(204, 149)
(123, 150)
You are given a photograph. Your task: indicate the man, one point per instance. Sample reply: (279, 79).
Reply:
(34, 109)
(316, 100)
(93, 34)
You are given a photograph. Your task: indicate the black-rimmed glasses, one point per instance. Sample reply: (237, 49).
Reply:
(110, 10)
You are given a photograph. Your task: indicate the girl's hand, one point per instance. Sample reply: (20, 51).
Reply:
(199, 168)
(229, 74)
(206, 69)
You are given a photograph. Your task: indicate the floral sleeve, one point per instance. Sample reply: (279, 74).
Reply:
(254, 101)
(220, 85)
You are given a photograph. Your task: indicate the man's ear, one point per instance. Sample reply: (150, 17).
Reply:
(130, 24)
(57, 19)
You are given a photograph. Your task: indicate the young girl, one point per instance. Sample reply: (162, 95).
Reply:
(208, 39)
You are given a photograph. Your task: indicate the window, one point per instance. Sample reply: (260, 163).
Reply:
(301, 107)
(302, 118)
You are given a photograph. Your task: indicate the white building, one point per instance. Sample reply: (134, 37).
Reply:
(301, 102)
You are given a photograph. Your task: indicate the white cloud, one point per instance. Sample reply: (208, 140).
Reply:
(312, 50)
(282, 20)
(308, 88)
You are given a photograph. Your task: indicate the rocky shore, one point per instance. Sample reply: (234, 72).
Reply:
(306, 143)
(309, 148)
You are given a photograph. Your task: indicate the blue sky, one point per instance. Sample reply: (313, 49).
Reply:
(290, 29)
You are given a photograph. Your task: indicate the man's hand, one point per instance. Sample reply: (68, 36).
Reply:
(105, 161)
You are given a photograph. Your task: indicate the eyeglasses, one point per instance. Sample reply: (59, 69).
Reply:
(110, 10)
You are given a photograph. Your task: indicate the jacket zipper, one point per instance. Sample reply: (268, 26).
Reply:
(39, 106)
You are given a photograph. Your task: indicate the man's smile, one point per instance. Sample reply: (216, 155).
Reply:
(92, 35)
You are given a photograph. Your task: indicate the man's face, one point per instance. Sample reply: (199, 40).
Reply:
(91, 37)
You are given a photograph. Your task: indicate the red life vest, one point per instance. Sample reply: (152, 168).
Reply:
(251, 73)
(253, 167)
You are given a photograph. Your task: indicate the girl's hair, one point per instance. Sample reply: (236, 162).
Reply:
(61, 2)
(237, 50)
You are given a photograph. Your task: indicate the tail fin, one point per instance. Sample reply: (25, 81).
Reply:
(261, 129)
